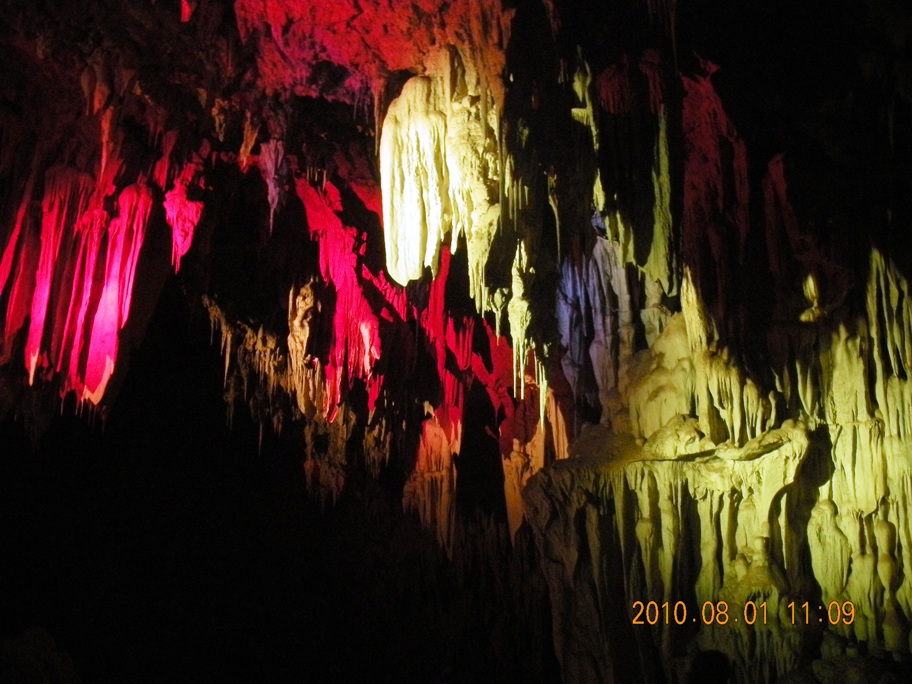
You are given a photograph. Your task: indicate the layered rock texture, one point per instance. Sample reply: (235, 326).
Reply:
(615, 276)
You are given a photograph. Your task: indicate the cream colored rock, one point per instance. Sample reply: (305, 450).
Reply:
(726, 502)
(662, 381)
(441, 171)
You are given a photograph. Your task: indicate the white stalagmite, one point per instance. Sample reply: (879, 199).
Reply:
(663, 384)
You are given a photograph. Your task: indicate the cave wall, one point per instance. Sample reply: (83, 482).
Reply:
(632, 276)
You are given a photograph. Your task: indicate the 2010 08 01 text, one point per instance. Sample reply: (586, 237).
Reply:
(653, 613)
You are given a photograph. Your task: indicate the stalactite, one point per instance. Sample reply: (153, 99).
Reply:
(74, 319)
(248, 141)
(271, 165)
(187, 9)
(182, 213)
(66, 198)
(302, 309)
(628, 97)
(325, 473)
(519, 315)
(523, 461)
(431, 489)
(780, 219)
(414, 177)
(126, 233)
(715, 217)
(556, 409)
(220, 112)
(608, 470)
(92, 228)
(662, 265)
(22, 213)
(356, 340)
(162, 170)
(377, 444)
(440, 174)
(571, 321)
(582, 88)
(21, 289)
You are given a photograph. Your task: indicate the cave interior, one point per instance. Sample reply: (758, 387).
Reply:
(465, 341)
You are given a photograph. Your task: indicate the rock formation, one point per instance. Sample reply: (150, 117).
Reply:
(535, 235)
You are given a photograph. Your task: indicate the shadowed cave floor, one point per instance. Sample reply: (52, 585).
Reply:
(163, 548)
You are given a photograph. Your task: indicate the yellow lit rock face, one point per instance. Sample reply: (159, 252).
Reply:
(663, 384)
(765, 507)
(656, 504)
(662, 265)
(585, 112)
(440, 171)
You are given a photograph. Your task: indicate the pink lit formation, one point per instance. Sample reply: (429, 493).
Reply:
(73, 280)
(68, 268)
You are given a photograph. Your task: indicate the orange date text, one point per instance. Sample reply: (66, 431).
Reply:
(710, 613)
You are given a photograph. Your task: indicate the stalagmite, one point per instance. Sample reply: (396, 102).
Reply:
(611, 468)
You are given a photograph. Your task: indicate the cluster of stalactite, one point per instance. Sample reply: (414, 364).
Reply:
(76, 233)
(350, 327)
(715, 495)
(704, 482)
(445, 176)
